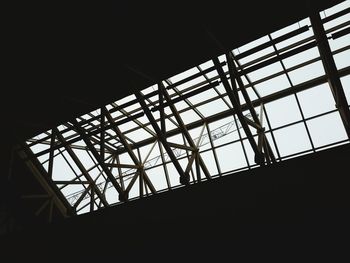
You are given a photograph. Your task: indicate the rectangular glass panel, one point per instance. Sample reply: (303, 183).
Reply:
(316, 100)
(292, 139)
(327, 129)
(283, 111)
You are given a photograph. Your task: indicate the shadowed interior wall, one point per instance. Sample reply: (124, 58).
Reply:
(297, 206)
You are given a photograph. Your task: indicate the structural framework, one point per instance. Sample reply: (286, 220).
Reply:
(283, 95)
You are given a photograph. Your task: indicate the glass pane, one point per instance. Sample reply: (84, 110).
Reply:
(189, 116)
(294, 39)
(306, 73)
(301, 57)
(292, 139)
(249, 151)
(342, 60)
(231, 157)
(273, 85)
(338, 43)
(224, 131)
(213, 107)
(157, 177)
(284, 30)
(316, 100)
(335, 9)
(265, 71)
(208, 158)
(253, 44)
(327, 129)
(283, 111)
(346, 86)
(257, 55)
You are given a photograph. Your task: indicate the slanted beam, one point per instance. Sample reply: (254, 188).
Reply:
(102, 134)
(51, 154)
(81, 166)
(264, 100)
(99, 160)
(256, 123)
(187, 135)
(331, 70)
(183, 97)
(161, 107)
(184, 177)
(134, 158)
(259, 157)
(45, 180)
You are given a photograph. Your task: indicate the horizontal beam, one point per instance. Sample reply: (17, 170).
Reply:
(187, 95)
(194, 76)
(179, 146)
(71, 182)
(273, 42)
(336, 15)
(120, 165)
(341, 33)
(278, 58)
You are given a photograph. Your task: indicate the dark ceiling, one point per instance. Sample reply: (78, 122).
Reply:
(67, 59)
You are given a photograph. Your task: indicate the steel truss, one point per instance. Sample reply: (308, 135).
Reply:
(120, 162)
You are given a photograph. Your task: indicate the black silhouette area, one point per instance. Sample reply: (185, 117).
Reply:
(295, 210)
(66, 60)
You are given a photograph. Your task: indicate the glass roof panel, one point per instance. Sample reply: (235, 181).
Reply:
(284, 137)
(283, 111)
(327, 129)
(83, 157)
(324, 102)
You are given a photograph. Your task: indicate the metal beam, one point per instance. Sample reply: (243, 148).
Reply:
(200, 73)
(126, 145)
(51, 154)
(269, 98)
(80, 166)
(259, 157)
(341, 33)
(91, 133)
(180, 146)
(276, 59)
(102, 134)
(184, 178)
(187, 95)
(270, 43)
(99, 160)
(185, 132)
(331, 70)
(45, 181)
(161, 107)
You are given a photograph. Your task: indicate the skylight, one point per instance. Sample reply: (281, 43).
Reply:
(267, 101)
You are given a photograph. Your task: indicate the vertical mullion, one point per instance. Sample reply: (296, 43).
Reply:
(241, 140)
(141, 176)
(184, 179)
(102, 135)
(161, 108)
(213, 150)
(188, 157)
(272, 134)
(121, 179)
(51, 155)
(164, 166)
